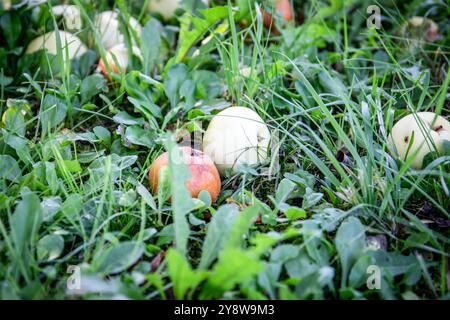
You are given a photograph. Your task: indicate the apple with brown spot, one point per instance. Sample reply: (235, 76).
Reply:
(204, 174)
(414, 136)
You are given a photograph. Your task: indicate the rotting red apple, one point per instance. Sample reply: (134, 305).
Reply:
(417, 135)
(204, 174)
(283, 8)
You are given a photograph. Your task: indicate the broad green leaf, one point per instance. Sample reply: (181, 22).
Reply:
(164, 185)
(284, 252)
(11, 25)
(261, 243)
(243, 223)
(187, 91)
(142, 92)
(146, 196)
(91, 86)
(5, 81)
(173, 82)
(315, 242)
(14, 121)
(111, 166)
(20, 145)
(181, 274)
(294, 213)
(194, 28)
(9, 169)
(103, 134)
(73, 166)
(208, 84)
(72, 207)
(234, 267)
(393, 263)
(269, 277)
(205, 197)
(311, 286)
(118, 257)
(50, 206)
(53, 111)
(126, 199)
(25, 224)
(284, 190)
(219, 230)
(138, 136)
(51, 177)
(150, 45)
(350, 241)
(358, 275)
(300, 266)
(123, 117)
(50, 247)
(83, 66)
(311, 198)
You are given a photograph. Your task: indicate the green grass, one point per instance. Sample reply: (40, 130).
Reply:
(75, 151)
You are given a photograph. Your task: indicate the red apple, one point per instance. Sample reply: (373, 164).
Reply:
(204, 174)
(283, 8)
(113, 68)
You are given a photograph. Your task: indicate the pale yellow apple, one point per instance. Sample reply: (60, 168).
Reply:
(71, 15)
(166, 8)
(430, 130)
(246, 71)
(7, 5)
(107, 25)
(74, 45)
(236, 136)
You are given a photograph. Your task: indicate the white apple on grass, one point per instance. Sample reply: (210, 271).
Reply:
(71, 15)
(107, 25)
(7, 5)
(167, 8)
(417, 135)
(72, 43)
(117, 58)
(236, 136)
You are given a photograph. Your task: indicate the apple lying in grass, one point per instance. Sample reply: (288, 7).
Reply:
(117, 59)
(282, 8)
(71, 15)
(204, 174)
(167, 8)
(421, 133)
(6, 5)
(107, 25)
(417, 30)
(426, 25)
(235, 136)
(69, 41)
